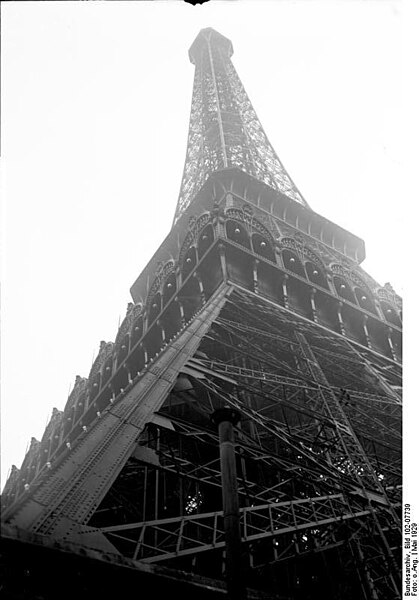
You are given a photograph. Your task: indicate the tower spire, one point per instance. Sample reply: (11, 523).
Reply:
(224, 130)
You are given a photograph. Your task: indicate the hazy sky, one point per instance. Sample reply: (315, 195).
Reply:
(96, 100)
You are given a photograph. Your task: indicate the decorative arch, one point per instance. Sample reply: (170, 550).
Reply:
(388, 295)
(310, 256)
(154, 307)
(297, 244)
(195, 227)
(292, 245)
(133, 310)
(163, 272)
(137, 330)
(55, 420)
(243, 228)
(292, 262)
(105, 351)
(123, 350)
(351, 275)
(343, 288)
(81, 406)
(262, 245)
(365, 299)
(169, 288)
(205, 240)
(251, 223)
(316, 274)
(356, 288)
(107, 370)
(237, 232)
(390, 314)
(95, 385)
(31, 460)
(189, 262)
(300, 259)
(239, 214)
(80, 386)
(258, 227)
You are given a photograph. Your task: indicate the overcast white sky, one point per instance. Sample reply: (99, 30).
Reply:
(96, 100)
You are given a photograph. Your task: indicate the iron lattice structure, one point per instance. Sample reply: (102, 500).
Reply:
(265, 309)
(224, 130)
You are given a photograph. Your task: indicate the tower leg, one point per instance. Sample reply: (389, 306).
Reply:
(226, 418)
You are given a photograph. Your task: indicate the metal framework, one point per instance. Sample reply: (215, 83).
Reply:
(319, 465)
(224, 130)
(267, 312)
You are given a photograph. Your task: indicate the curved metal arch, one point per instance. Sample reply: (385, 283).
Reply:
(387, 294)
(107, 369)
(253, 225)
(352, 277)
(80, 386)
(164, 271)
(94, 385)
(168, 287)
(123, 348)
(189, 261)
(124, 327)
(195, 227)
(205, 238)
(237, 222)
(140, 318)
(365, 291)
(295, 268)
(258, 227)
(303, 252)
(391, 313)
(339, 271)
(55, 420)
(105, 351)
(310, 256)
(149, 305)
(133, 311)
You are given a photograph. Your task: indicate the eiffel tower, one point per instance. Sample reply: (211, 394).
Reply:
(257, 308)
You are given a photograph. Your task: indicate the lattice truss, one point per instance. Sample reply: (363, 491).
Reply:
(318, 459)
(224, 130)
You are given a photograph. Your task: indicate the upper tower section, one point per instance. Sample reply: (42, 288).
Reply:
(224, 130)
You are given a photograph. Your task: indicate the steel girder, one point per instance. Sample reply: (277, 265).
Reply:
(193, 534)
(301, 438)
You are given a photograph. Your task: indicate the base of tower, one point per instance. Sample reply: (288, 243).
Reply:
(35, 567)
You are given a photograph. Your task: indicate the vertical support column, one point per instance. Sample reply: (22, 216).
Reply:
(222, 251)
(313, 304)
(197, 276)
(255, 276)
(182, 312)
(61, 430)
(379, 310)
(363, 570)
(366, 332)
(340, 319)
(390, 343)
(285, 291)
(129, 374)
(225, 419)
(162, 331)
(278, 257)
